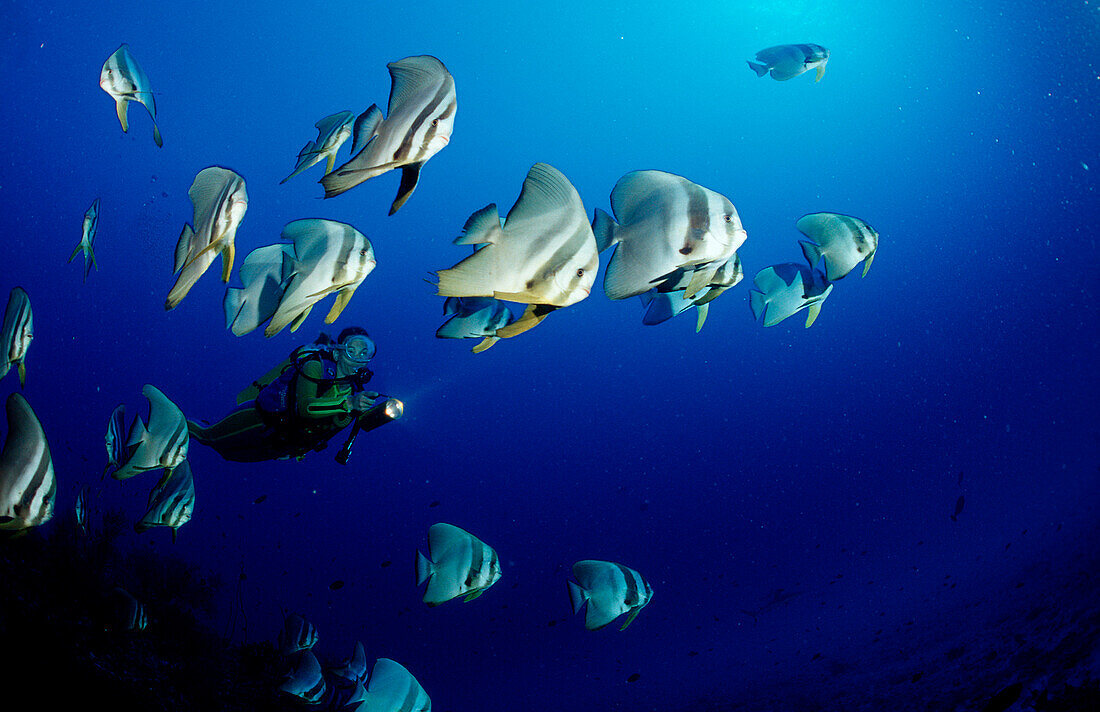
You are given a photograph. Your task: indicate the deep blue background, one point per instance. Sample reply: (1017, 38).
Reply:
(722, 465)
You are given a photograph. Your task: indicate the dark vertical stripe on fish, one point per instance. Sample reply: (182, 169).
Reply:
(631, 596)
(856, 231)
(407, 704)
(405, 148)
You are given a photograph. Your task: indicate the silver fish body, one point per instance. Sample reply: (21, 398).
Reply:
(162, 444)
(262, 272)
(304, 678)
(607, 590)
(459, 564)
(125, 81)
(392, 688)
(667, 299)
(89, 228)
(27, 482)
(128, 613)
(16, 334)
(332, 132)
(783, 290)
(665, 223)
(329, 258)
(785, 62)
(220, 202)
(842, 241)
(172, 502)
(418, 124)
(544, 253)
(474, 318)
(297, 634)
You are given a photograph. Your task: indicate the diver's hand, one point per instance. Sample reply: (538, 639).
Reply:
(361, 402)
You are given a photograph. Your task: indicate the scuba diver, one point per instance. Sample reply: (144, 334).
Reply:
(303, 402)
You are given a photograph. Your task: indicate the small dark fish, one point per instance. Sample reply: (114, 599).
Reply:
(260, 499)
(435, 503)
(633, 678)
(386, 563)
(336, 585)
(958, 508)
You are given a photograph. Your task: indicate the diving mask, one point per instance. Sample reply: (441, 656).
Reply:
(359, 350)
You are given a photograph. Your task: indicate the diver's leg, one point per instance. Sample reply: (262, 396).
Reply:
(243, 422)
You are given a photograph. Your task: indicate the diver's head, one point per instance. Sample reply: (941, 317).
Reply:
(354, 349)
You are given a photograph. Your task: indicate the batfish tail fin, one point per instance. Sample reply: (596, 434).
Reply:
(811, 251)
(757, 302)
(603, 227)
(577, 596)
(760, 69)
(424, 568)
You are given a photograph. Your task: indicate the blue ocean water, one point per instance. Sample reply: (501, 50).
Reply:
(787, 492)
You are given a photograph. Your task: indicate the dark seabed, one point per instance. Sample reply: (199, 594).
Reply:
(894, 509)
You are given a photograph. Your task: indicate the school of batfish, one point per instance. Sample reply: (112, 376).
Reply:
(673, 244)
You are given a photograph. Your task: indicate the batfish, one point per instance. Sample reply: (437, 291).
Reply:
(417, 126)
(124, 79)
(220, 201)
(788, 61)
(665, 223)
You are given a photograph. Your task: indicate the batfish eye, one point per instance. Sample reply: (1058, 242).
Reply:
(728, 218)
(580, 272)
(435, 122)
(363, 253)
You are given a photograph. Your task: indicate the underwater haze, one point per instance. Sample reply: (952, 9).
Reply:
(893, 509)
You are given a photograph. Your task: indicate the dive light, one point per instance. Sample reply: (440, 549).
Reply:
(378, 414)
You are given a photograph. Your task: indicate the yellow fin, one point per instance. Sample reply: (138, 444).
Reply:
(121, 107)
(300, 318)
(820, 72)
(227, 259)
(813, 310)
(485, 344)
(342, 299)
(331, 163)
(22, 374)
(532, 317)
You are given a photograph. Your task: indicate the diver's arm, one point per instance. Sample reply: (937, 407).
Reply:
(310, 403)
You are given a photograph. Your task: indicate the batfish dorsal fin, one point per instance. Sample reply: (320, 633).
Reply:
(631, 195)
(545, 190)
(330, 124)
(411, 76)
(366, 126)
(481, 227)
